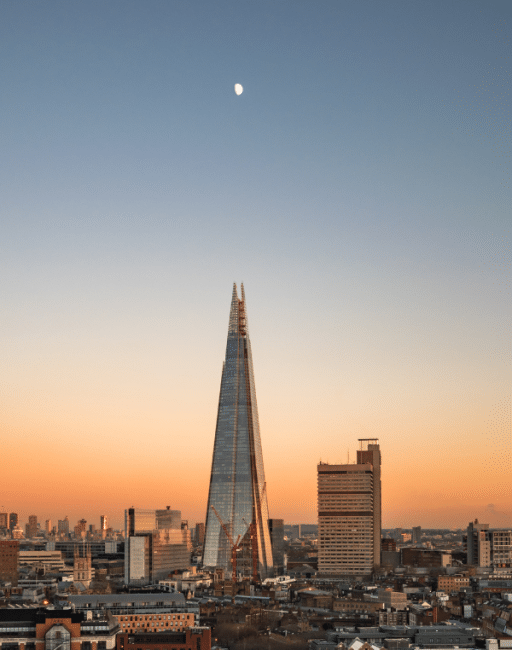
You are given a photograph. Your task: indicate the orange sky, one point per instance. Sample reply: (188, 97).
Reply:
(359, 187)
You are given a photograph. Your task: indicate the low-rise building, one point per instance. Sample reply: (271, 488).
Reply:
(56, 629)
(198, 638)
(142, 612)
(453, 583)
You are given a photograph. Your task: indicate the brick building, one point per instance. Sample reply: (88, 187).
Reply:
(142, 612)
(54, 629)
(9, 553)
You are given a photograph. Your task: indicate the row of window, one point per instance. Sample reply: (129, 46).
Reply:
(149, 617)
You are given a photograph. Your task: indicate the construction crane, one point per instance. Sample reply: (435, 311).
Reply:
(254, 549)
(254, 538)
(235, 546)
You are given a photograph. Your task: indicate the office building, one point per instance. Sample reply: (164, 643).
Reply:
(237, 512)
(103, 526)
(13, 520)
(168, 518)
(416, 535)
(478, 544)
(32, 527)
(349, 514)
(81, 529)
(152, 551)
(4, 520)
(63, 526)
(489, 547)
(199, 534)
(276, 527)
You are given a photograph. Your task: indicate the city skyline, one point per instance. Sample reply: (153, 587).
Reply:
(359, 186)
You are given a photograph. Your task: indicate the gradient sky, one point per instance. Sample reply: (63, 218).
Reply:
(359, 187)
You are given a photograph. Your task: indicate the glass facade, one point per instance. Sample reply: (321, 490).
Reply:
(237, 486)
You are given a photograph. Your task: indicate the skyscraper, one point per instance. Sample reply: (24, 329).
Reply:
(13, 520)
(237, 513)
(349, 513)
(32, 527)
(103, 526)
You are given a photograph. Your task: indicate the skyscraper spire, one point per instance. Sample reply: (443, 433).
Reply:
(237, 513)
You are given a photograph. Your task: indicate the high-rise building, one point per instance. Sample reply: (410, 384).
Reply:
(489, 547)
(48, 526)
(81, 529)
(199, 534)
(416, 534)
(237, 512)
(63, 526)
(4, 519)
(103, 526)
(152, 550)
(31, 528)
(349, 514)
(168, 518)
(276, 527)
(13, 520)
(478, 544)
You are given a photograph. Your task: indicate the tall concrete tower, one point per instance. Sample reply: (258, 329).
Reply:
(349, 513)
(237, 530)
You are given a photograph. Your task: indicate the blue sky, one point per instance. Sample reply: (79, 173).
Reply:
(359, 187)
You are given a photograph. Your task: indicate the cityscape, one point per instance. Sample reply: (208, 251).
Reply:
(246, 578)
(332, 469)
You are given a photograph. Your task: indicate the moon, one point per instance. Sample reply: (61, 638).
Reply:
(239, 89)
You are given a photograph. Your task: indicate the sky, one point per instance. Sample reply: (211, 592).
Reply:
(359, 187)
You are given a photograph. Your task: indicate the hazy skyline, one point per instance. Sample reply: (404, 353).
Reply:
(359, 188)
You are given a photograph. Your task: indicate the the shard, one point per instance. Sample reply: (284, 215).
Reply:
(237, 532)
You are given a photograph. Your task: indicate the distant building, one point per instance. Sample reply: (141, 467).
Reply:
(199, 534)
(48, 526)
(426, 558)
(151, 551)
(9, 552)
(478, 544)
(103, 526)
(276, 528)
(416, 535)
(451, 583)
(349, 514)
(4, 520)
(31, 528)
(141, 612)
(198, 638)
(489, 547)
(82, 566)
(81, 529)
(392, 599)
(63, 526)
(40, 629)
(168, 518)
(47, 560)
(388, 544)
(13, 520)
